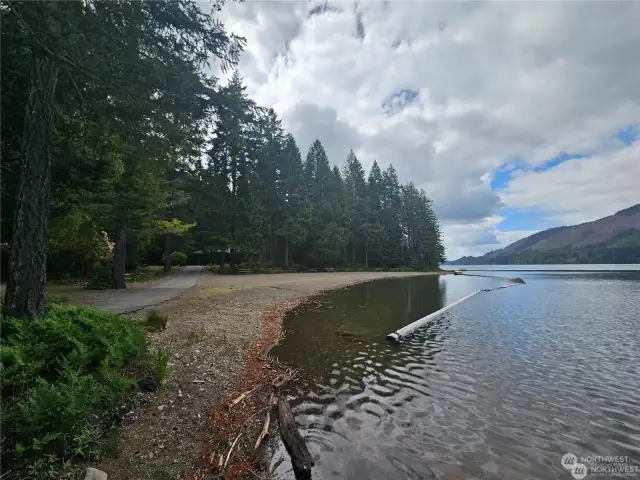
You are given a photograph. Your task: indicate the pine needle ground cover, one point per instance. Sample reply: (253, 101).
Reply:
(63, 380)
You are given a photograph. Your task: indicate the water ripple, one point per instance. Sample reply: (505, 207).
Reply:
(500, 387)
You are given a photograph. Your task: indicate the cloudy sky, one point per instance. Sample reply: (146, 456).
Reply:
(514, 116)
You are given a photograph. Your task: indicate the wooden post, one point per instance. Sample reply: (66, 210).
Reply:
(293, 441)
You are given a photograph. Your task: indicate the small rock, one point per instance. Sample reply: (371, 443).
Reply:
(94, 474)
(160, 407)
(197, 351)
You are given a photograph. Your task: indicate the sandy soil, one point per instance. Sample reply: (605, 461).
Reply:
(217, 330)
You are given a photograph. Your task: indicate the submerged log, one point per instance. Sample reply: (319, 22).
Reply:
(293, 441)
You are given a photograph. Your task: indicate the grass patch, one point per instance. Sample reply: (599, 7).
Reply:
(64, 380)
(55, 299)
(160, 358)
(217, 291)
(156, 321)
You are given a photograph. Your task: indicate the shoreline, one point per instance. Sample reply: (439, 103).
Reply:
(220, 332)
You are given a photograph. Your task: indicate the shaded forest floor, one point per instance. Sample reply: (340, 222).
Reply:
(217, 331)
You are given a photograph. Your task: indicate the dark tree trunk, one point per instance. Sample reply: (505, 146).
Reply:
(24, 296)
(120, 259)
(366, 252)
(286, 251)
(222, 265)
(167, 252)
(301, 459)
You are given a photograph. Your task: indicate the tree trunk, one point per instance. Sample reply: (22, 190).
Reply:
(24, 296)
(301, 459)
(167, 252)
(286, 251)
(366, 252)
(120, 259)
(222, 266)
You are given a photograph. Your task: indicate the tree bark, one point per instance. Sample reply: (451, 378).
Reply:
(120, 259)
(301, 459)
(167, 252)
(222, 266)
(366, 252)
(286, 250)
(24, 296)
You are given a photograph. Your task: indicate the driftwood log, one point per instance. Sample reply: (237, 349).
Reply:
(300, 456)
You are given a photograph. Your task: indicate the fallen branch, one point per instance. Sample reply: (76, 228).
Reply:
(300, 457)
(231, 450)
(244, 395)
(265, 430)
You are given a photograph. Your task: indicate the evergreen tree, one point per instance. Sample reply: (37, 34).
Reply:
(296, 207)
(373, 227)
(355, 191)
(391, 251)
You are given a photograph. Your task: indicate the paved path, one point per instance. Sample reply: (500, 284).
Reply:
(126, 301)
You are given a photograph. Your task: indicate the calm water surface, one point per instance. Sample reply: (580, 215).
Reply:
(500, 387)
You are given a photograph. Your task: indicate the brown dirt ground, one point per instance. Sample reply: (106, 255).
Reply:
(219, 331)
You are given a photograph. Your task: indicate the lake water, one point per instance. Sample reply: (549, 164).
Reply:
(499, 387)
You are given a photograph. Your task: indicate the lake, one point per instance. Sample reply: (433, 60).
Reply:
(499, 387)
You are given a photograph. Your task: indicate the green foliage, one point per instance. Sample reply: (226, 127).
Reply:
(55, 299)
(160, 358)
(173, 226)
(63, 379)
(178, 258)
(151, 151)
(155, 320)
(100, 280)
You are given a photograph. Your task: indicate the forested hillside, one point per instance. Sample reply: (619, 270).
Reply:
(612, 239)
(118, 146)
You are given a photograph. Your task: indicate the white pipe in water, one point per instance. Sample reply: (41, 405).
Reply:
(412, 327)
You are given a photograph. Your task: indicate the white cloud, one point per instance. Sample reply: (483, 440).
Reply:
(495, 82)
(580, 191)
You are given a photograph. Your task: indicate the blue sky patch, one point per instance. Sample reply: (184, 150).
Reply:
(629, 135)
(321, 8)
(557, 160)
(502, 176)
(399, 99)
(359, 26)
(515, 219)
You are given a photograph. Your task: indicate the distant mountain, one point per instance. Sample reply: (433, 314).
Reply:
(612, 239)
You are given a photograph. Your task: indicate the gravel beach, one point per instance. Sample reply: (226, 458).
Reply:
(214, 331)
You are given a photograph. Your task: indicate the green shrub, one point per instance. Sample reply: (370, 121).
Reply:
(155, 320)
(100, 280)
(54, 299)
(62, 380)
(178, 258)
(215, 268)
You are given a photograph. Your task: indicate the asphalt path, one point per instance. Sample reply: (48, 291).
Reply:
(127, 301)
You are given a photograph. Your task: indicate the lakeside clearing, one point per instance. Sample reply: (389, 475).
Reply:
(218, 331)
